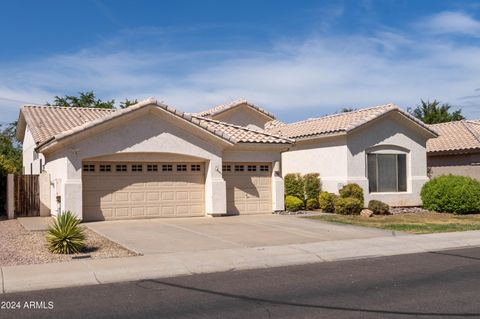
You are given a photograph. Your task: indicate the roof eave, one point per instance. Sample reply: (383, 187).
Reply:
(429, 132)
(59, 138)
(319, 136)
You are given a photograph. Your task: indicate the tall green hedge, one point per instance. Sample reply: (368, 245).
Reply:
(312, 185)
(452, 194)
(294, 185)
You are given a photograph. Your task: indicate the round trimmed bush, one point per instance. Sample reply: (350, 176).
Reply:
(378, 207)
(312, 203)
(352, 190)
(326, 201)
(452, 194)
(293, 204)
(348, 206)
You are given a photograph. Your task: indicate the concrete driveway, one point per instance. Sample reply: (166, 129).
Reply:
(158, 236)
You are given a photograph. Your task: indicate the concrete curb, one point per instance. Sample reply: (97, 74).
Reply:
(100, 271)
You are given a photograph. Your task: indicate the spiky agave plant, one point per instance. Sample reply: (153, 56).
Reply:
(65, 235)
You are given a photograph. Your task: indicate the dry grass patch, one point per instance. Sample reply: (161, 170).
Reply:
(415, 223)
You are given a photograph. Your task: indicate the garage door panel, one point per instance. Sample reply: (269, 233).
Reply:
(121, 211)
(129, 194)
(138, 211)
(137, 197)
(168, 210)
(181, 195)
(168, 196)
(153, 196)
(119, 197)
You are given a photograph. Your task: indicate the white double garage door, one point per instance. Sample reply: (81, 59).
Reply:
(126, 190)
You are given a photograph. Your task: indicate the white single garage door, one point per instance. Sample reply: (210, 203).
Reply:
(119, 190)
(249, 188)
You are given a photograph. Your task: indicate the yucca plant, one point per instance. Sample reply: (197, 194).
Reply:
(65, 235)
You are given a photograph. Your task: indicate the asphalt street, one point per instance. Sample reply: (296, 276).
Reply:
(442, 284)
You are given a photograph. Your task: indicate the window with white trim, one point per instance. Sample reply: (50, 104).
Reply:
(181, 168)
(105, 168)
(387, 172)
(152, 168)
(226, 168)
(252, 168)
(137, 167)
(264, 168)
(121, 168)
(239, 168)
(195, 168)
(167, 168)
(89, 168)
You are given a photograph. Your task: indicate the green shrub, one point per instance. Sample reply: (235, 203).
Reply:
(312, 185)
(65, 235)
(312, 203)
(352, 190)
(326, 201)
(294, 185)
(452, 194)
(293, 203)
(348, 206)
(378, 207)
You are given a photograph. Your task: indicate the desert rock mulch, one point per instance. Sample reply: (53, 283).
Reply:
(19, 246)
(408, 210)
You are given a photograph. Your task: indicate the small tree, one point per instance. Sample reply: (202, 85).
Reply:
(127, 103)
(432, 112)
(312, 185)
(85, 99)
(294, 185)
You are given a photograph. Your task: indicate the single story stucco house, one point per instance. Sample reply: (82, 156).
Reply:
(150, 160)
(456, 150)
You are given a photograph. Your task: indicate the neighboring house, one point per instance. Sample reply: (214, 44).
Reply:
(456, 150)
(380, 148)
(150, 160)
(241, 113)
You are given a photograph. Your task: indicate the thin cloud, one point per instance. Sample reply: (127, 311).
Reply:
(452, 22)
(318, 75)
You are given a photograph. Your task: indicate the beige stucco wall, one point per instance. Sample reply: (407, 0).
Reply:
(326, 156)
(145, 137)
(457, 164)
(243, 115)
(30, 165)
(394, 134)
(342, 159)
(44, 196)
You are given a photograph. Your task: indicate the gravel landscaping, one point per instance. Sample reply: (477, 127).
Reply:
(19, 246)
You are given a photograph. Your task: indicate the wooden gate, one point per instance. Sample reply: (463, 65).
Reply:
(27, 196)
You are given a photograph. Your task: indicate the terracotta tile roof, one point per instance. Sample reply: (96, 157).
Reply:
(242, 134)
(273, 123)
(338, 123)
(455, 136)
(49, 123)
(223, 107)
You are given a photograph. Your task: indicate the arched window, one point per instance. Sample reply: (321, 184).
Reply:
(387, 170)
